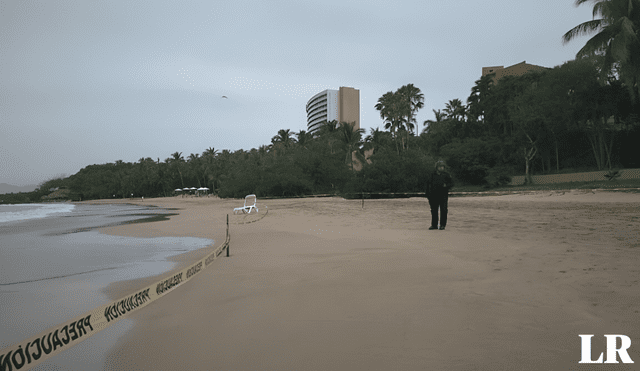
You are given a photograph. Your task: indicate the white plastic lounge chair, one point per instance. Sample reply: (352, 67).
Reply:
(248, 206)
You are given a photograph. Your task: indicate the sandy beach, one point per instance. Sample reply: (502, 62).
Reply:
(324, 284)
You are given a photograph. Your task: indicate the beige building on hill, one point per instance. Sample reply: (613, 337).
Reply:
(341, 105)
(357, 165)
(515, 70)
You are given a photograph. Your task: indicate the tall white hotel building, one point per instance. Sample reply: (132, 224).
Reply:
(341, 105)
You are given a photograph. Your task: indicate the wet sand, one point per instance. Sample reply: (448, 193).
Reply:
(54, 268)
(322, 284)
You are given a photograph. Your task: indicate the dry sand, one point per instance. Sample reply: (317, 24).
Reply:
(322, 284)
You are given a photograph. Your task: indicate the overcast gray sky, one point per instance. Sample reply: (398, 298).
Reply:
(89, 82)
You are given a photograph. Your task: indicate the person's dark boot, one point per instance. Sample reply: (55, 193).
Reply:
(442, 228)
(432, 228)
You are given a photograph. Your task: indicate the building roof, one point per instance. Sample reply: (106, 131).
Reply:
(517, 69)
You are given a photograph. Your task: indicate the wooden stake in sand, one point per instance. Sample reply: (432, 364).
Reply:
(228, 235)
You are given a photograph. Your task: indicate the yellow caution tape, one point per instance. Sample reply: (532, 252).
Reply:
(35, 350)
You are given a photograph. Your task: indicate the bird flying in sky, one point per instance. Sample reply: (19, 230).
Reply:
(224, 96)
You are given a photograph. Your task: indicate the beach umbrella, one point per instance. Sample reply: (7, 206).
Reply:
(178, 190)
(205, 188)
(193, 188)
(202, 189)
(185, 189)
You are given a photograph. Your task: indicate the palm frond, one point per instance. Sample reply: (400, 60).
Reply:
(580, 2)
(597, 43)
(600, 8)
(582, 29)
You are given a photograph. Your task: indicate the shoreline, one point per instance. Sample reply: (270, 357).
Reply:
(120, 289)
(47, 297)
(342, 287)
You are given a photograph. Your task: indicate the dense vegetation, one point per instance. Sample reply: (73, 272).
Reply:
(581, 115)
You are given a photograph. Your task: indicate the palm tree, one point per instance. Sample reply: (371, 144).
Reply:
(304, 138)
(455, 113)
(616, 39)
(375, 140)
(393, 113)
(176, 161)
(328, 132)
(210, 166)
(431, 125)
(196, 167)
(412, 100)
(454, 109)
(351, 139)
(223, 164)
(477, 101)
(210, 152)
(165, 175)
(177, 156)
(328, 127)
(261, 154)
(283, 139)
(413, 97)
(147, 176)
(438, 132)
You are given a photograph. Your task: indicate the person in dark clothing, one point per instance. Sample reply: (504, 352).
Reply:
(437, 191)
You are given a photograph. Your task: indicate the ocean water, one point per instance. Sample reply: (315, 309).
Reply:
(54, 264)
(21, 212)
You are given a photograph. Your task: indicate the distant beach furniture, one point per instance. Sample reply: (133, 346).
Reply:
(249, 204)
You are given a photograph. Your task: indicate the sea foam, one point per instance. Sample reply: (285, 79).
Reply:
(20, 212)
